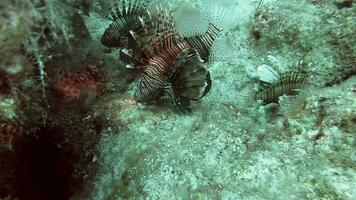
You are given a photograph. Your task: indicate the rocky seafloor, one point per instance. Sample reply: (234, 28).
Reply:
(71, 129)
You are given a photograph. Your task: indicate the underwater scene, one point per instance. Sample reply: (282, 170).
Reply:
(178, 99)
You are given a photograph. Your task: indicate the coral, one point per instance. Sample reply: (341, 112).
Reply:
(272, 28)
(9, 109)
(9, 133)
(8, 198)
(343, 3)
(4, 83)
(35, 38)
(341, 28)
(73, 86)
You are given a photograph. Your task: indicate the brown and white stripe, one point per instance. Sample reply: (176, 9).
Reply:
(203, 43)
(125, 16)
(150, 86)
(288, 84)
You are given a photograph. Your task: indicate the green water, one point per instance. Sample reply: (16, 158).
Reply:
(71, 128)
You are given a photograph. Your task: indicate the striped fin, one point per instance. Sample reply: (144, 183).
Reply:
(246, 96)
(138, 45)
(188, 80)
(140, 41)
(179, 103)
(221, 13)
(157, 32)
(132, 61)
(204, 42)
(165, 26)
(149, 87)
(190, 20)
(116, 10)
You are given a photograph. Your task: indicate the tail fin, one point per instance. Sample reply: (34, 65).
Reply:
(196, 25)
(201, 27)
(189, 80)
(195, 20)
(221, 13)
(190, 21)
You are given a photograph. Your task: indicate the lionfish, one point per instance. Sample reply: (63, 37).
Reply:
(171, 65)
(175, 69)
(275, 84)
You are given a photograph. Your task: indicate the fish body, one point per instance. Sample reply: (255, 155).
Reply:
(171, 65)
(277, 83)
(151, 84)
(287, 84)
(177, 72)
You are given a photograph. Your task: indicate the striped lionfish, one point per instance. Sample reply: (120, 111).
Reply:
(175, 68)
(171, 65)
(275, 84)
(129, 19)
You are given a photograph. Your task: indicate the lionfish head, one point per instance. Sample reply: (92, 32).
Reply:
(112, 37)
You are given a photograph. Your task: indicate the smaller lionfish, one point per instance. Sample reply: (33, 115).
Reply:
(275, 84)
